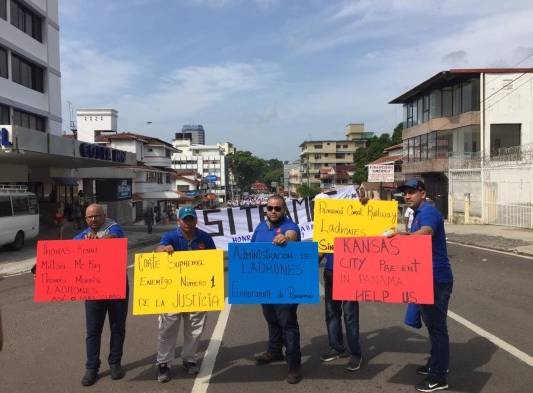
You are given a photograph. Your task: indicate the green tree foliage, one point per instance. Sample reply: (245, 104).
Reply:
(397, 134)
(308, 191)
(248, 168)
(363, 156)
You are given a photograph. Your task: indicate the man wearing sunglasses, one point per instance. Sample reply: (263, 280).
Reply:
(282, 320)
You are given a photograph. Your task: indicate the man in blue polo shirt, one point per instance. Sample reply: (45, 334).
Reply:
(283, 329)
(428, 221)
(185, 238)
(100, 227)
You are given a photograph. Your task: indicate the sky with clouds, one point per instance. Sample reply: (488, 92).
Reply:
(268, 74)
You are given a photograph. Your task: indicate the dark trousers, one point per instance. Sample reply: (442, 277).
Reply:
(283, 330)
(434, 317)
(335, 309)
(149, 226)
(95, 313)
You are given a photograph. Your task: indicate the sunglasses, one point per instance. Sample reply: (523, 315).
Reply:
(275, 208)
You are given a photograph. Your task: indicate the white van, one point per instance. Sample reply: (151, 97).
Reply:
(19, 216)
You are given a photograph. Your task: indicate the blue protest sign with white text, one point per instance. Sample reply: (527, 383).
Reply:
(263, 273)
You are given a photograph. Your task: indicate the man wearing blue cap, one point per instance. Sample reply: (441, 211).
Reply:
(428, 221)
(185, 238)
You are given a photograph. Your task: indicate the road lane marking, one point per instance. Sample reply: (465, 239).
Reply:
(201, 382)
(493, 339)
(491, 250)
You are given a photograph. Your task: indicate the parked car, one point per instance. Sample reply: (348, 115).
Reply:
(19, 216)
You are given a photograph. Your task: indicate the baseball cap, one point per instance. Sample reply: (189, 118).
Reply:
(414, 184)
(186, 211)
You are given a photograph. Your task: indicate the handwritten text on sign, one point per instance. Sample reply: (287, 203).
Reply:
(70, 270)
(348, 218)
(381, 269)
(266, 273)
(184, 281)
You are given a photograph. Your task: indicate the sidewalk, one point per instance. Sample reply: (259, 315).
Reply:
(510, 239)
(16, 262)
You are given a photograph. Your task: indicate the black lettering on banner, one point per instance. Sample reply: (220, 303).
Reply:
(248, 217)
(262, 212)
(231, 221)
(217, 223)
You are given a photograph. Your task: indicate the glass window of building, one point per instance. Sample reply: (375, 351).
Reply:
(424, 147)
(466, 97)
(432, 143)
(3, 63)
(420, 110)
(435, 102)
(457, 100)
(3, 9)
(447, 102)
(4, 115)
(414, 112)
(503, 136)
(416, 151)
(29, 120)
(475, 94)
(405, 145)
(27, 74)
(444, 143)
(425, 108)
(411, 149)
(27, 21)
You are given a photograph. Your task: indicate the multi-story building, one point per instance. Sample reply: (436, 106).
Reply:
(210, 161)
(194, 133)
(33, 151)
(92, 123)
(30, 77)
(327, 163)
(464, 113)
(290, 181)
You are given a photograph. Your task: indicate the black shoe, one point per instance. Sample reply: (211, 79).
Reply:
(191, 368)
(163, 373)
(431, 384)
(422, 370)
(295, 374)
(332, 355)
(268, 357)
(117, 372)
(90, 377)
(354, 363)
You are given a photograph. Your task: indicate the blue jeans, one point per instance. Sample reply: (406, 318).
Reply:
(334, 311)
(283, 330)
(434, 317)
(95, 313)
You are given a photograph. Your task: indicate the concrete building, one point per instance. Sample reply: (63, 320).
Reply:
(289, 170)
(92, 123)
(30, 77)
(468, 115)
(207, 160)
(33, 151)
(193, 133)
(327, 163)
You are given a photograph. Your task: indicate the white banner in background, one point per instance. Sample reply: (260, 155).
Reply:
(237, 224)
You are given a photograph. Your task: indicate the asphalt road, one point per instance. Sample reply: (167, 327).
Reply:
(44, 343)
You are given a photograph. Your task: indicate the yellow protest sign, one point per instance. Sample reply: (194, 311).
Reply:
(349, 218)
(184, 281)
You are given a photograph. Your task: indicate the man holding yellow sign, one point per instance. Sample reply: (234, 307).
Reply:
(185, 238)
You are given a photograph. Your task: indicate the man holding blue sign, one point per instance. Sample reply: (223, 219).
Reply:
(283, 328)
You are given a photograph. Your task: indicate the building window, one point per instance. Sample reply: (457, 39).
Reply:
(4, 115)
(416, 152)
(27, 74)
(457, 100)
(423, 147)
(27, 21)
(411, 149)
(503, 136)
(425, 109)
(317, 146)
(466, 97)
(318, 156)
(447, 102)
(29, 120)
(3, 63)
(339, 156)
(432, 144)
(3, 9)
(444, 144)
(435, 104)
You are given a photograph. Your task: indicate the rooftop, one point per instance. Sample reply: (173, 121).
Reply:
(444, 78)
